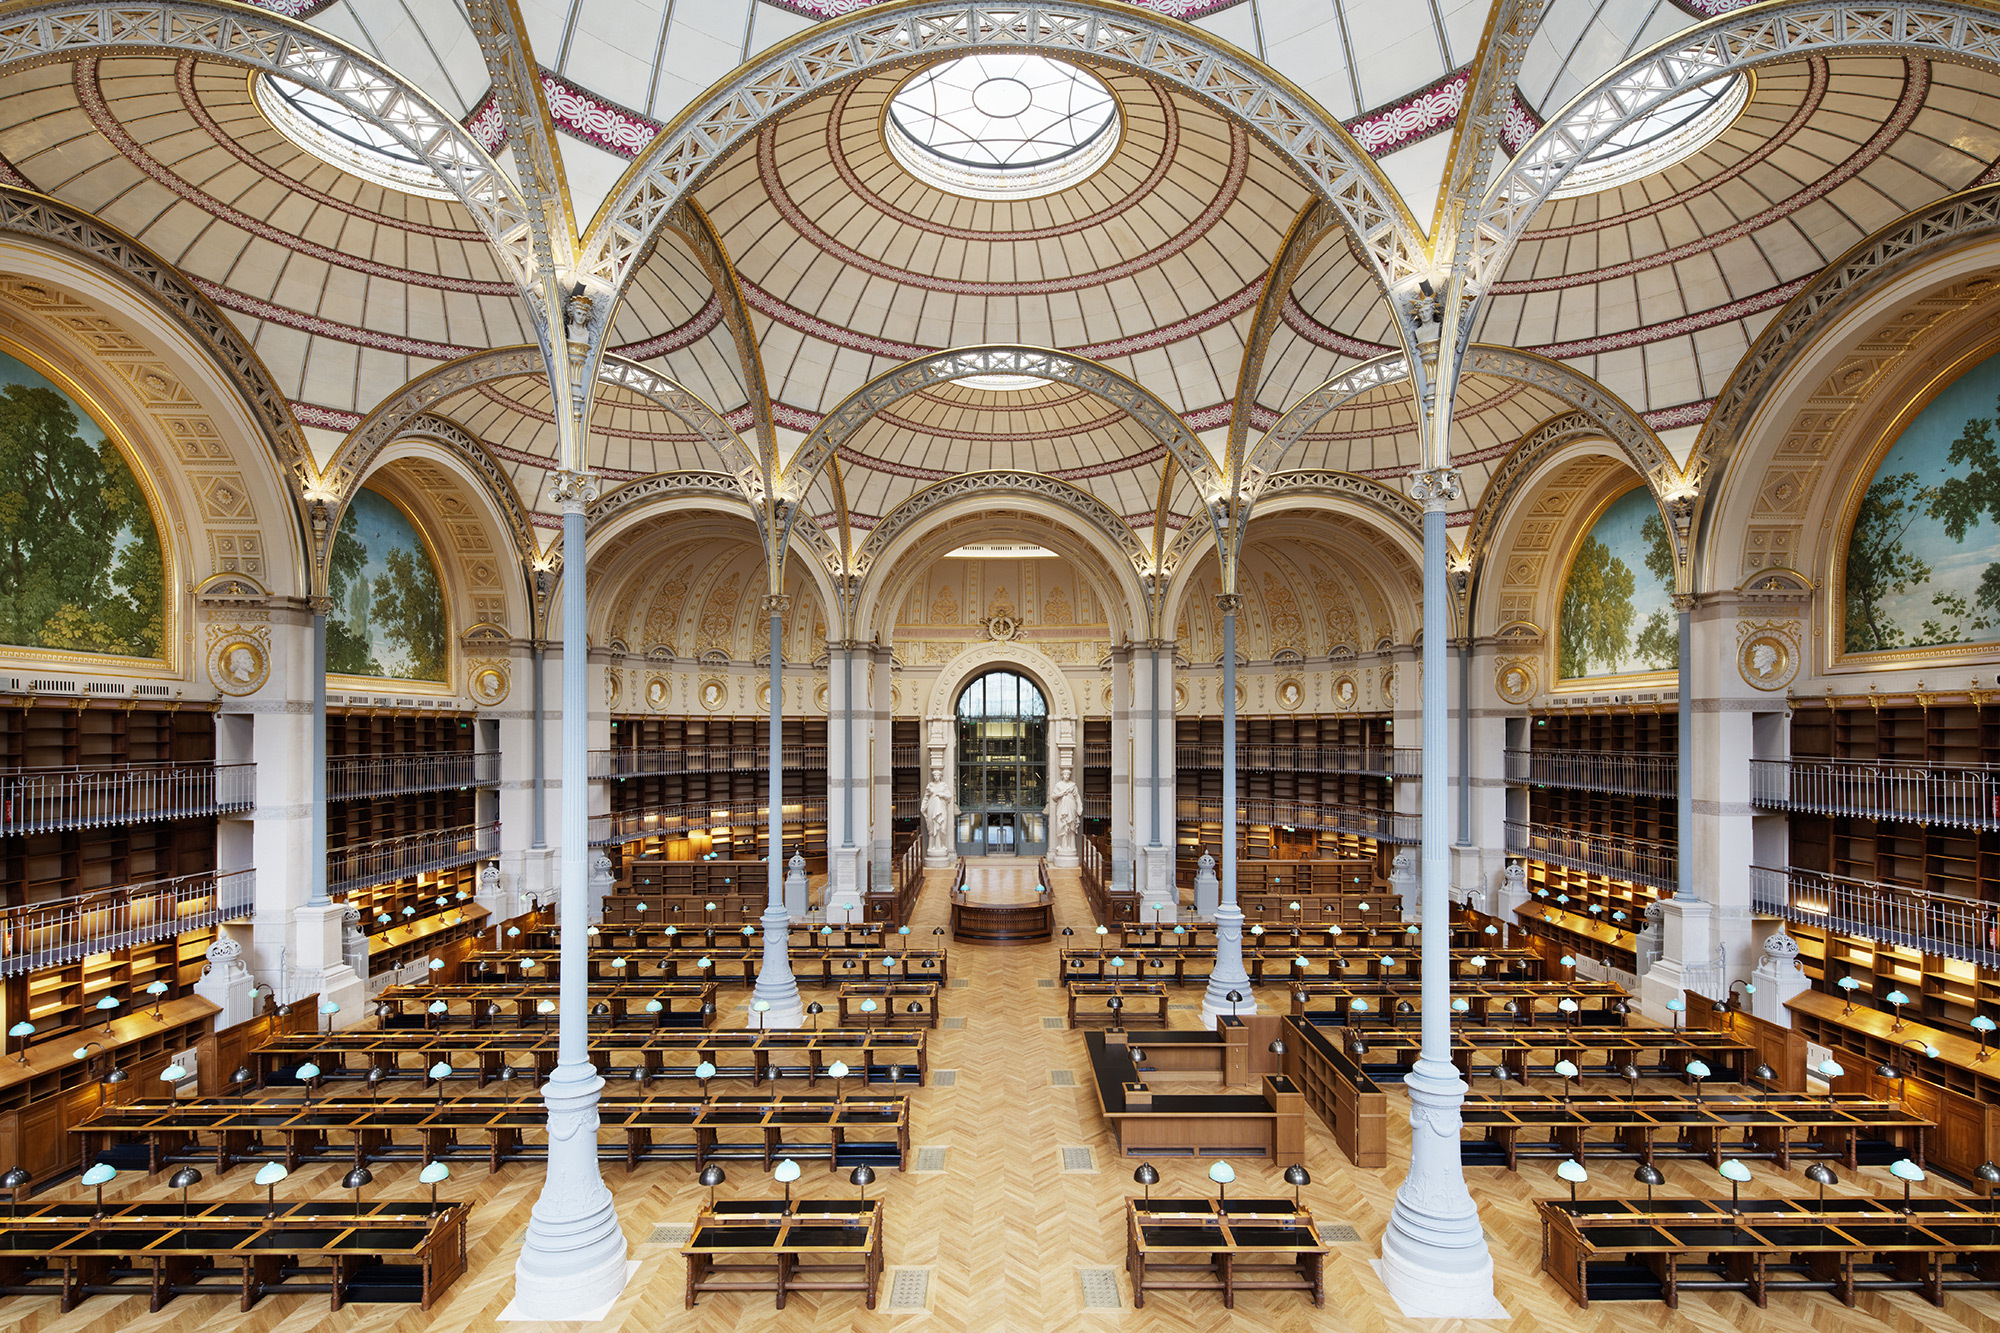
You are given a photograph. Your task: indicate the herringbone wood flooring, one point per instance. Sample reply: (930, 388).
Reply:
(1003, 1230)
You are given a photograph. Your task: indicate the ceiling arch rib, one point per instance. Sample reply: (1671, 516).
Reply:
(1093, 32)
(40, 34)
(1742, 40)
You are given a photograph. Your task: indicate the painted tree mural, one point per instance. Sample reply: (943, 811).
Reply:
(388, 615)
(80, 563)
(1616, 619)
(1923, 558)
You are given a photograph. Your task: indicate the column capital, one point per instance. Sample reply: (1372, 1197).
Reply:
(1229, 603)
(1684, 602)
(1436, 488)
(776, 604)
(573, 492)
(320, 605)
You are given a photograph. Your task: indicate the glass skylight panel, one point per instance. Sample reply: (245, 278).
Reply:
(338, 137)
(1675, 130)
(1001, 383)
(1002, 126)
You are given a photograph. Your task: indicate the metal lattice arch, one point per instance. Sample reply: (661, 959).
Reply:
(1089, 32)
(253, 39)
(1742, 40)
(855, 411)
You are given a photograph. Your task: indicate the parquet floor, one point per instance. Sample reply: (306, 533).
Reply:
(1004, 1232)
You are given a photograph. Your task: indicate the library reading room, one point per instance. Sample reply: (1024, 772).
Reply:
(999, 666)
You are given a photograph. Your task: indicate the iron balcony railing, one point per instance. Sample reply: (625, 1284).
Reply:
(48, 800)
(1953, 796)
(43, 935)
(906, 756)
(1372, 760)
(1897, 914)
(652, 820)
(646, 763)
(906, 807)
(351, 777)
(1096, 756)
(379, 862)
(1595, 770)
(1383, 825)
(1635, 860)
(1096, 807)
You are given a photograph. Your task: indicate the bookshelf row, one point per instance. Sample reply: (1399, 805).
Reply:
(62, 1001)
(73, 733)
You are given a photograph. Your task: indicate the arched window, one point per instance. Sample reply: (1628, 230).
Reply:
(1003, 766)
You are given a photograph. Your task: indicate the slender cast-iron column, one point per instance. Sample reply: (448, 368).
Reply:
(1684, 755)
(1228, 975)
(1154, 696)
(775, 984)
(573, 1258)
(847, 745)
(316, 834)
(1434, 1249)
(541, 740)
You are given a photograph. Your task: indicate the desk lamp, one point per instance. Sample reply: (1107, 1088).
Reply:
(268, 1175)
(711, 1176)
(1909, 1173)
(787, 1171)
(432, 1175)
(1571, 1170)
(1147, 1175)
(353, 1180)
(1649, 1176)
(100, 1175)
(1295, 1176)
(1822, 1175)
(20, 1177)
(1222, 1173)
(1736, 1174)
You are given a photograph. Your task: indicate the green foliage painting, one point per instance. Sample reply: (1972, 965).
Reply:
(1923, 561)
(80, 565)
(388, 609)
(1617, 608)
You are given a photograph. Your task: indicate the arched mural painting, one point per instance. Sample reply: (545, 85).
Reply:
(388, 615)
(1617, 604)
(80, 562)
(1923, 557)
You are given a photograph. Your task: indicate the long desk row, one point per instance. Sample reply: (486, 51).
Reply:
(162, 1249)
(1486, 1003)
(1282, 964)
(493, 1004)
(873, 1056)
(1619, 1249)
(1779, 1128)
(832, 964)
(225, 1131)
(1534, 1052)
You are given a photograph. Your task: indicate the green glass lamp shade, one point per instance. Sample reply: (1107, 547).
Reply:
(545, 1006)
(1117, 962)
(786, 1172)
(868, 1006)
(1734, 1170)
(1830, 1069)
(1566, 1068)
(1222, 1173)
(1571, 1170)
(1676, 1006)
(108, 1002)
(1698, 1069)
(271, 1173)
(435, 964)
(838, 1069)
(1896, 997)
(438, 1007)
(1568, 961)
(704, 1070)
(1477, 960)
(1359, 1006)
(157, 988)
(1461, 1005)
(101, 1173)
(173, 1074)
(1905, 1169)
(442, 1069)
(654, 1006)
(435, 1173)
(22, 1029)
(1983, 1024)
(761, 1006)
(308, 1070)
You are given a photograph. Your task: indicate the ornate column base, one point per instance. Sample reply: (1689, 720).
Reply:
(846, 872)
(776, 986)
(320, 951)
(1434, 1257)
(1229, 973)
(1777, 979)
(573, 1259)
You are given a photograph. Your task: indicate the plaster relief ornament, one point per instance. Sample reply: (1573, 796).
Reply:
(489, 684)
(1766, 655)
(613, 688)
(1290, 694)
(822, 697)
(237, 661)
(1389, 687)
(1345, 693)
(1514, 680)
(658, 693)
(714, 694)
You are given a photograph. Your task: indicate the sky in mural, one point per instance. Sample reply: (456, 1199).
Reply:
(388, 616)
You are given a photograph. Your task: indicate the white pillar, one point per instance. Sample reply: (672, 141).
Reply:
(319, 925)
(1127, 796)
(776, 986)
(848, 782)
(1228, 976)
(573, 1258)
(1434, 1256)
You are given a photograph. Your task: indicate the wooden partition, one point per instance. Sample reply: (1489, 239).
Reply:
(1340, 1092)
(897, 902)
(221, 1054)
(1002, 923)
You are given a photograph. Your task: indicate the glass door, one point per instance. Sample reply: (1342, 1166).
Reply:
(1003, 770)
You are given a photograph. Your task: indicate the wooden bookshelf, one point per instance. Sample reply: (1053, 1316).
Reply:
(722, 763)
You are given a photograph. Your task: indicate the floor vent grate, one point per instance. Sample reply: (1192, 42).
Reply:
(1076, 1160)
(927, 1159)
(959, 983)
(1339, 1235)
(954, 1024)
(1061, 1078)
(910, 1289)
(1185, 1008)
(944, 1078)
(1054, 1024)
(675, 1234)
(1047, 983)
(1100, 1289)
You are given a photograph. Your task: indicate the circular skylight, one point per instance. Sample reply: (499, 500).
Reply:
(1676, 129)
(1001, 383)
(1002, 126)
(335, 135)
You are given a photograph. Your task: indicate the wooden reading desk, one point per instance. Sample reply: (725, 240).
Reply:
(688, 1004)
(380, 1251)
(1486, 1002)
(1243, 1244)
(1779, 1128)
(1624, 1249)
(1534, 1051)
(892, 1004)
(1090, 1002)
(761, 1245)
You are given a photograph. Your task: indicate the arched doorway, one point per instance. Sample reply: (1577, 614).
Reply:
(1003, 767)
